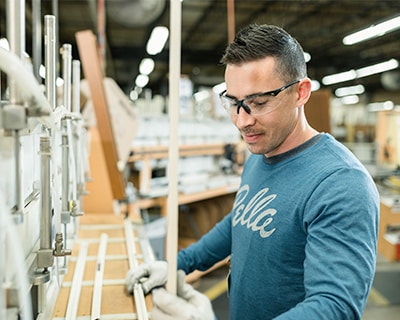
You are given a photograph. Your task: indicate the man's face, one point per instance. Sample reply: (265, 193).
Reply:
(267, 133)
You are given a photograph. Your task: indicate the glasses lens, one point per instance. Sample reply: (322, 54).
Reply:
(228, 104)
(259, 105)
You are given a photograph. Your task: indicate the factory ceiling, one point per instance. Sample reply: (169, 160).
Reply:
(319, 25)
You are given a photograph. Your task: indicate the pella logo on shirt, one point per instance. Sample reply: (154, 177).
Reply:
(254, 214)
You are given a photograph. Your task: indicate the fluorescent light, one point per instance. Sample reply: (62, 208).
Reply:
(360, 73)
(381, 106)
(315, 85)
(347, 91)
(350, 99)
(377, 68)
(307, 56)
(157, 40)
(133, 95)
(339, 77)
(142, 80)
(373, 31)
(146, 66)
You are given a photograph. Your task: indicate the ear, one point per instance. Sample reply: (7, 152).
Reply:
(304, 91)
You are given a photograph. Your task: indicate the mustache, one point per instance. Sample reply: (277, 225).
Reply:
(249, 131)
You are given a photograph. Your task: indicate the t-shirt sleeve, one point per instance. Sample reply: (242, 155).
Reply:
(341, 248)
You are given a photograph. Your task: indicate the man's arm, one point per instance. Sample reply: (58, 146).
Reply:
(211, 248)
(341, 248)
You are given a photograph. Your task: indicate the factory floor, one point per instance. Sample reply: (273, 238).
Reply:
(383, 302)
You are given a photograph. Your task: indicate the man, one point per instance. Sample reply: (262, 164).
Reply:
(302, 232)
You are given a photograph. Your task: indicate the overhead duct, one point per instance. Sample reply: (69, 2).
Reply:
(134, 13)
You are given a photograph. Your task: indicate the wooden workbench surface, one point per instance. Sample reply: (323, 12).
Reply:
(116, 303)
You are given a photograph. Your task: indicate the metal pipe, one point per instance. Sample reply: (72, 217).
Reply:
(50, 59)
(79, 133)
(73, 136)
(45, 194)
(76, 79)
(19, 204)
(66, 52)
(54, 12)
(65, 207)
(16, 38)
(36, 38)
(45, 258)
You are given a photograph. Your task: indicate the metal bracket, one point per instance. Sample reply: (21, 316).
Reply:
(59, 245)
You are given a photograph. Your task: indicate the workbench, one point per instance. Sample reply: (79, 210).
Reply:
(114, 301)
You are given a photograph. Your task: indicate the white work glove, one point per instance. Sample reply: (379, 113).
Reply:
(149, 274)
(188, 304)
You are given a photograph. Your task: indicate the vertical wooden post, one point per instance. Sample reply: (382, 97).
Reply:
(172, 202)
(231, 19)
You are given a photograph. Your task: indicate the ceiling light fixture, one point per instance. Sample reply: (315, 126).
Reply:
(133, 95)
(381, 106)
(360, 73)
(157, 40)
(350, 99)
(315, 85)
(373, 31)
(339, 77)
(347, 91)
(377, 68)
(146, 66)
(142, 80)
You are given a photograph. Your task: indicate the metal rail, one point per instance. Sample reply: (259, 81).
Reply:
(50, 59)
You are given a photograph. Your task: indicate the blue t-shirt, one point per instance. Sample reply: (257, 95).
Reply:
(302, 236)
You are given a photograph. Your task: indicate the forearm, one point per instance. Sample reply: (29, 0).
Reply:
(211, 248)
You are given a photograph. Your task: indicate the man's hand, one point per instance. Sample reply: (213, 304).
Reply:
(188, 304)
(150, 275)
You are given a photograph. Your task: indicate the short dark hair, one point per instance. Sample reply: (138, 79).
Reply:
(256, 42)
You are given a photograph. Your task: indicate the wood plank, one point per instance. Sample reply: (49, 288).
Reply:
(115, 298)
(88, 52)
(100, 196)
